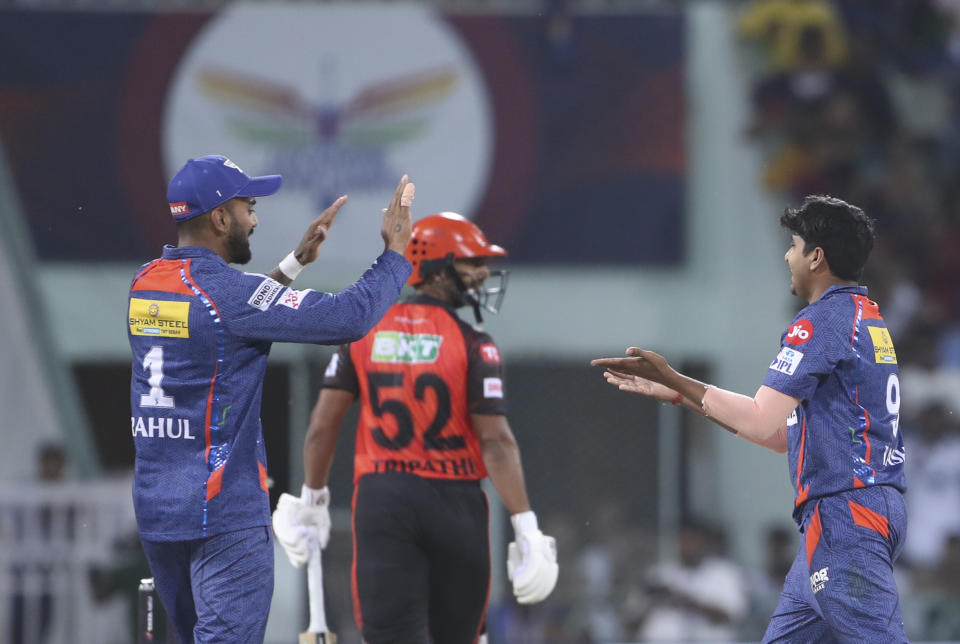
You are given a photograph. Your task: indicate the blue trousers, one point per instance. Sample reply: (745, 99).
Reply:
(215, 590)
(841, 586)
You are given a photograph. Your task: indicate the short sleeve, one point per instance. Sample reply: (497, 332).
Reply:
(810, 349)
(340, 373)
(485, 391)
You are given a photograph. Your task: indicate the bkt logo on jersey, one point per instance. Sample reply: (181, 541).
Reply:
(800, 332)
(819, 579)
(394, 346)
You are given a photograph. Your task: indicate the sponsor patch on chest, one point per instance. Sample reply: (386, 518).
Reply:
(787, 361)
(883, 351)
(159, 318)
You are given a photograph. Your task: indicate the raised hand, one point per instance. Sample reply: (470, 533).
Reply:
(316, 234)
(397, 222)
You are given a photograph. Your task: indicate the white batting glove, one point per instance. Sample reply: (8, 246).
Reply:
(301, 527)
(316, 512)
(531, 560)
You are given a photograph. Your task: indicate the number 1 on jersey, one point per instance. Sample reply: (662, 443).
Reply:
(153, 362)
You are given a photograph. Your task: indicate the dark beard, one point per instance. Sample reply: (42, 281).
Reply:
(238, 248)
(457, 297)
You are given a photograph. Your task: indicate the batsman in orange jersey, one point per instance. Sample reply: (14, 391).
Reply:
(432, 426)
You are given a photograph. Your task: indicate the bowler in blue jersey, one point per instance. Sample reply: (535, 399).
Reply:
(831, 401)
(200, 332)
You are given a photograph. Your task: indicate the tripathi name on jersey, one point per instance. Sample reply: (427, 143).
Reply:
(151, 427)
(457, 467)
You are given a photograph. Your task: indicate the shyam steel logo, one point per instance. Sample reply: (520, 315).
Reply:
(410, 348)
(339, 100)
(883, 350)
(148, 317)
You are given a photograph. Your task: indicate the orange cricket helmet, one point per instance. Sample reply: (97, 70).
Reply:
(439, 239)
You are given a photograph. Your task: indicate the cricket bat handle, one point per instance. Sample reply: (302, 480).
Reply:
(316, 632)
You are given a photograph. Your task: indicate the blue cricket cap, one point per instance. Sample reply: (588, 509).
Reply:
(205, 183)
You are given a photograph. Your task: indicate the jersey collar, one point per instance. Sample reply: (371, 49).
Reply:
(855, 290)
(418, 298)
(187, 252)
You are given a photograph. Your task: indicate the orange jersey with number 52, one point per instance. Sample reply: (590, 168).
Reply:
(420, 373)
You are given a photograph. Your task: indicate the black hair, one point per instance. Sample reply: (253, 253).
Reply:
(842, 230)
(193, 225)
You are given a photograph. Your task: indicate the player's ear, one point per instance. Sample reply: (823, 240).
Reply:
(219, 217)
(817, 258)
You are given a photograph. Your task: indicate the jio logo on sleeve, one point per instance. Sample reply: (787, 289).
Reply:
(800, 332)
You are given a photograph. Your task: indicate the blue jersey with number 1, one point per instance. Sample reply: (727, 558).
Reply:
(837, 356)
(200, 332)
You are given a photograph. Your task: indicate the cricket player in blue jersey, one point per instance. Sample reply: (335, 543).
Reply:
(200, 332)
(831, 400)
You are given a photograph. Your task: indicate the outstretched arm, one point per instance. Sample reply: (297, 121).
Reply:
(761, 420)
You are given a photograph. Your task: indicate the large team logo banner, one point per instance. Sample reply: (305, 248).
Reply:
(562, 136)
(338, 99)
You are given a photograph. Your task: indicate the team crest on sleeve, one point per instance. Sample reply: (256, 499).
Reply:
(799, 332)
(883, 351)
(786, 361)
(265, 294)
(490, 353)
(492, 388)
